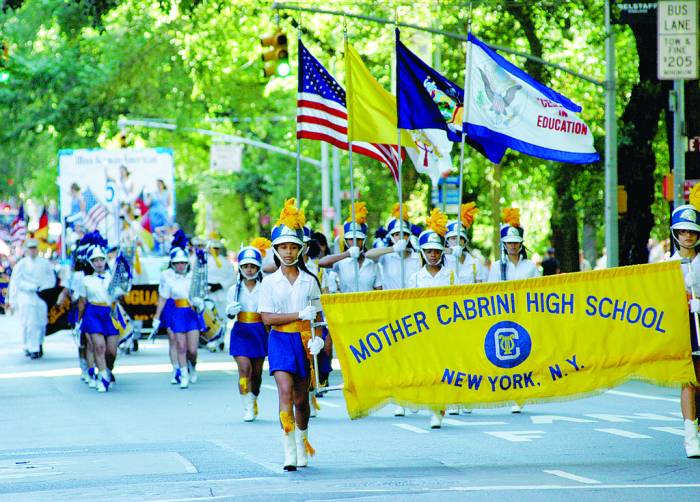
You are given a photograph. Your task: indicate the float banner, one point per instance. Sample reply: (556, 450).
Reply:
(544, 339)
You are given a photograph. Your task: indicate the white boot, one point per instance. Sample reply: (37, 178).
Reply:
(515, 409)
(192, 369)
(454, 410)
(102, 382)
(176, 376)
(436, 419)
(84, 370)
(304, 449)
(248, 404)
(92, 378)
(399, 411)
(184, 378)
(290, 451)
(692, 442)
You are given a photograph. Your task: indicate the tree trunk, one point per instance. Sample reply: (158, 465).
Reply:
(564, 223)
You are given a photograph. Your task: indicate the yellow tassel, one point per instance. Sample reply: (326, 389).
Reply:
(309, 449)
(469, 210)
(137, 261)
(243, 384)
(262, 244)
(511, 216)
(360, 213)
(291, 216)
(314, 403)
(395, 211)
(437, 222)
(255, 407)
(217, 260)
(287, 422)
(694, 197)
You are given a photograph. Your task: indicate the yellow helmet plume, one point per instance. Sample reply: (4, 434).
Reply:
(360, 213)
(291, 216)
(511, 216)
(395, 211)
(261, 244)
(437, 222)
(469, 210)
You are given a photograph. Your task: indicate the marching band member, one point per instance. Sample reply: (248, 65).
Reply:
(288, 303)
(182, 319)
(86, 351)
(220, 274)
(32, 274)
(514, 264)
(471, 270)
(685, 229)
(94, 311)
(248, 344)
(344, 263)
(434, 273)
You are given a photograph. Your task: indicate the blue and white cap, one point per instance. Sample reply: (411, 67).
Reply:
(307, 234)
(179, 255)
(250, 255)
(510, 233)
(452, 228)
(354, 230)
(394, 226)
(429, 239)
(282, 233)
(685, 217)
(95, 252)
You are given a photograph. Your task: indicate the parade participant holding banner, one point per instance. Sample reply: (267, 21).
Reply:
(248, 344)
(470, 270)
(94, 311)
(289, 302)
(31, 275)
(685, 228)
(352, 261)
(183, 321)
(514, 264)
(434, 273)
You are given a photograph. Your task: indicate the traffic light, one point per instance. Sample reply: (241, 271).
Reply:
(276, 58)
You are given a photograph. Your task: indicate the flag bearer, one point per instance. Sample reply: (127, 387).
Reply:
(685, 228)
(470, 269)
(514, 264)
(288, 303)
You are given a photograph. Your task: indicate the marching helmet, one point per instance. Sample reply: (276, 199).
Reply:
(179, 255)
(452, 229)
(282, 233)
(394, 226)
(510, 233)
(685, 217)
(430, 239)
(354, 230)
(250, 255)
(307, 234)
(95, 252)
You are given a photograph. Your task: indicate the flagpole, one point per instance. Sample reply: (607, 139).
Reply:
(400, 167)
(352, 177)
(465, 109)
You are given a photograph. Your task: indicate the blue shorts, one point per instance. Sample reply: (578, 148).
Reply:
(166, 313)
(248, 340)
(184, 319)
(97, 319)
(286, 353)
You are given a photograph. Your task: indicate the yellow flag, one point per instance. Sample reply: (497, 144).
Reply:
(371, 109)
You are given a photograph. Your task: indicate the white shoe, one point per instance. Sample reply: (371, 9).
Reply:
(453, 411)
(102, 383)
(248, 407)
(290, 451)
(466, 411)
(84, 376)
(92, 381)
(515, 409)
(193, 374)
(184, 379)
(691, 442)
(399, 411)
(176, 376)
(302, 453)
(436, 419)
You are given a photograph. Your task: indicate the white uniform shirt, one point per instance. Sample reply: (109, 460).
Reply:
(278, 296)
(466, 269)
(326, 276)
(424, 279)
(94, 287)
(391, 269)
(525, 269)
(370, 276)
(685, 267)
(174, 285)
(76, 284)
(248, 299)
(28, 276)
(224, 274)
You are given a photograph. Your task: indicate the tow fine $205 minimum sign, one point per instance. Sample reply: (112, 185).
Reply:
(677, 31)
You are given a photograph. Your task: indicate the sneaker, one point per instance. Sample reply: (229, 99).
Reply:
(515, 409)
(176, 376)
(85, 377)
(466, 411)
(399, 411)
(193, 374)
(92, 382)
(436, 420)
(453, 411)
(184, 380)
(102, 384)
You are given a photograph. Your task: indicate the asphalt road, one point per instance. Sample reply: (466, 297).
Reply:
(148, 440)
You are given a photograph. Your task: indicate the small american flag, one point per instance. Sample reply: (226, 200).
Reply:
(18, 229)
(322, 114)
(94, 209)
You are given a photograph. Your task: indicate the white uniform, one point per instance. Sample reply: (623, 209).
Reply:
(278, 296)
(29, 276)
(467, 269)
(248, 299)
(370, 276)
(424, 279)
(686, 269)
(390, 265)
(94, 288)
(525, 269)
(222, 274)
(174, 285)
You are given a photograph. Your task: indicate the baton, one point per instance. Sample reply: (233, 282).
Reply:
(313, 336)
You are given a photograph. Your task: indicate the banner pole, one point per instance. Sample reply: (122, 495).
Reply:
(352, 177)
(399, 166)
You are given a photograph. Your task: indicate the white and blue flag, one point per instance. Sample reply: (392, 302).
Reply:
(509, 107)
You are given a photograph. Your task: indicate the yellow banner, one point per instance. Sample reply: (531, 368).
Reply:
(484, 345)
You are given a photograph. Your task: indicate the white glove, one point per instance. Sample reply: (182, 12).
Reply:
(232, 309)
(198, 304)
(400, 246)
(315, 345)
(156, 326)
(691, 280)
(76, 328)
(118, 292)
(308, 314)
(354, 252)
(694, 306)
(457, 251)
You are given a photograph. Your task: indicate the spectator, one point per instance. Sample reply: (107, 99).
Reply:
(550, 265)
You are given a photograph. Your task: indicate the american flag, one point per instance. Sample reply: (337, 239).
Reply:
(322, 113)
(94, 209)
(18, 229)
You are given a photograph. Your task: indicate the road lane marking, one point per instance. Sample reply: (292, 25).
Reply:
(671, 430)
(411, 428)
(262, 463)
(462, 423)
(624, 434)
(516, 436)
(572, 477)
(326, 403)
(619, 418)
(186, 463)
(549, 419)
(642, 396)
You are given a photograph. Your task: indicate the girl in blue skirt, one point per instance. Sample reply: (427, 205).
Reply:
(248, 344)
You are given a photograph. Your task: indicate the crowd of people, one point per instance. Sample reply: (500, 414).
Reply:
(273, 299)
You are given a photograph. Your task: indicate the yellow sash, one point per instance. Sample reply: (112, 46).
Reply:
(304, 329)
(99, 304)
(182, 303)
(249, 317)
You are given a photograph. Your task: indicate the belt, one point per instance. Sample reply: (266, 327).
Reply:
(99, 304)
(293, 327)
(249, 317)
(182, 303)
